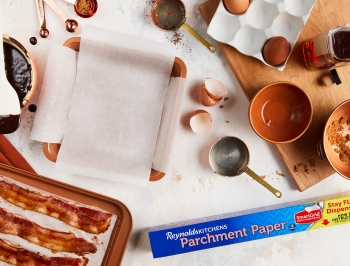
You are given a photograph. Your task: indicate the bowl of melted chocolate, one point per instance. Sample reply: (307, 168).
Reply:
(20, 69)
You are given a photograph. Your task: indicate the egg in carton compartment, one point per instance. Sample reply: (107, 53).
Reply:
(264, 19)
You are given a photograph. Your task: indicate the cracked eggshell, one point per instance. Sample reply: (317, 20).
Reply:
(201, 122)
(211, 92)
(205, 99)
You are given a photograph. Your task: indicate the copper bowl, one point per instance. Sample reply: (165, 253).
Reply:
(19, 47)
(280, 112)
(329, 151)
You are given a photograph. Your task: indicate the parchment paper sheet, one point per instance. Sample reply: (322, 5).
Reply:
(55, 95)
(116, 106)
(52, 223)
(169, 123)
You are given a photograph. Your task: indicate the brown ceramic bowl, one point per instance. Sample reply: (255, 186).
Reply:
(280, 112)
(343, 168)
(26, 92)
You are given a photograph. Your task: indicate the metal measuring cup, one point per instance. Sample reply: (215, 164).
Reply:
(171, 15)
(229, 156)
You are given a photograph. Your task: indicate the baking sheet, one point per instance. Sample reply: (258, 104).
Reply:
(122, 228)
(100, 240)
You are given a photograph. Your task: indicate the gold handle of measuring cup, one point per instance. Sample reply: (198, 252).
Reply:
(257, 178)
(210, 47)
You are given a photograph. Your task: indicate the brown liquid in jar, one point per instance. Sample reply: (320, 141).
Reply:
(18, 71)
(337, 50)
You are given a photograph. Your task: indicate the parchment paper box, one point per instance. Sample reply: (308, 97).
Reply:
(233, 228)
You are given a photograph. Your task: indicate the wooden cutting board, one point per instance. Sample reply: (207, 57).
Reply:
(253, 75)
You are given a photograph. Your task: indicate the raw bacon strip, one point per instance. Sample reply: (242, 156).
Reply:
(19, 256)
(88, 220)
(54, 240)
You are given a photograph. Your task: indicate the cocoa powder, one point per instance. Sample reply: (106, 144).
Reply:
(336, 134)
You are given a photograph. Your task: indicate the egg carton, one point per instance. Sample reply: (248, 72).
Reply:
(264, 19)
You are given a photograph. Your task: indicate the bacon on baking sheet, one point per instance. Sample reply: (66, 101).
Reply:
(51, 239)
(16, 255)
(83, 218)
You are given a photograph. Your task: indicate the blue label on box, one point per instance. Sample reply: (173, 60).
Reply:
(188, 238)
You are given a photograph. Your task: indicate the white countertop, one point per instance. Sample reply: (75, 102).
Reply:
(190, 189)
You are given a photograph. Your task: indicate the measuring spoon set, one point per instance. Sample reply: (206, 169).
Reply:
(71, 25)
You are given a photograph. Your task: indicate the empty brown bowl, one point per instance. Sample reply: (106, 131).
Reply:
(280, 112)
(342, 167)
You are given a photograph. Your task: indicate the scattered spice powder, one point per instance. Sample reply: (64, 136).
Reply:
(83, 6)
(312, 162)
(300, 166)
(221, 106)
(175, 174)
(176, 38)
(226, 98)
(336, 137)
(280, 174)
(297, 168)
(227, 121)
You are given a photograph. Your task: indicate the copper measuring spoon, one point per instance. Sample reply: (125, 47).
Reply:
(44, 32)
(171, 15)
(71, 24)
(84, 14)
(229, 156)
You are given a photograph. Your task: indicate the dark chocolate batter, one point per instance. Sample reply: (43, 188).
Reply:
(9, 123)
(33, 40)
(32, 108)
(18, 71)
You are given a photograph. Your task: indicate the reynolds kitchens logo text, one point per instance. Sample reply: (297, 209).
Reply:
(194, 231)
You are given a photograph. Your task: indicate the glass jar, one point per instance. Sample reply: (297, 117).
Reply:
(328, 49)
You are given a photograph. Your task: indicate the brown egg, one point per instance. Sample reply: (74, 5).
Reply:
(276, 50)
(236, 6)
